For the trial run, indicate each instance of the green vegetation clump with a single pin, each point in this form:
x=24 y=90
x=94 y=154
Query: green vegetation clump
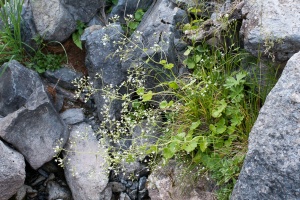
x=12 y=47
x=203 y=116
x=200 y=118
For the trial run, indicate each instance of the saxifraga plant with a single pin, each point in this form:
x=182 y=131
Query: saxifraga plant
x=204 y=117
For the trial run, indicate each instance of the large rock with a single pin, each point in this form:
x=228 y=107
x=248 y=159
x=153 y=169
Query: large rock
x=156 y=33
x=52 y=20
x=55 y=20
x=17 y=83
x=83 y=10
x=272 y=165
x=85 y=166
x=35 y=129
x=165 y=184
x=100 y=48
x=272 y=21
x=12 y=171
x=28 y=28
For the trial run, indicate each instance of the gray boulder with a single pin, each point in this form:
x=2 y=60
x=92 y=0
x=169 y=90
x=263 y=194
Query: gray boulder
x=55 y=20
x=17 y=83
x=12 y=171
x=35 y=129
x=271 y=167
x=271 y=21
x=166 y=183
x=85 y=166
x=100 y=48
x=52 y=20
x=28 y=28
x=56 y=191
x=83 y=10
x=156 y=33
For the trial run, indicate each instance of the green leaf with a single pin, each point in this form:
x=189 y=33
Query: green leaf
x=237 y=119
x=133 y=25
x=191 y=145
x=138 y=15
x=217 y=111
x=232 y=110
x=228 y=143
x=187 y=52
x=162 y=62
x=76 y=40
x=181 y=135
x=197 y=157
x=173 y=85
x=197 y=58
x=152 y=149
x=170 y=103
x=136 y=104
x=168 y=66
x=124 y=97
x=230 y=129
x=203 y=144
x=213 y=128
x=195 y=125
x=236 y=94
x=130 y=158
x=148 y=96
x=190 y=63
x=240 y=76
x=231 y=81
x=168 y=153
x=163 y=104
x=115 y=2
x=140 y=91
x=220 y=126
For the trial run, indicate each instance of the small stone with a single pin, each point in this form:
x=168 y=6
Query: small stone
x=117 y=187
x=106 y=194
x=56 y=191
x=63 y=77
x=142 y=183
x=73 y=116
x=133 y=194
x=134 y=186
x=38 y=180
x=124 y=196
x=142 y=194
x=22 y=192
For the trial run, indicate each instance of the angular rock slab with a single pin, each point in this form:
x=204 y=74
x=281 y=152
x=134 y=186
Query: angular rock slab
x=12 y=171
x=156 y=33
x=85 y=165
x=35 y=129
x=17 y=83
x=272 y=20
x=272 y=165
x=83 y=10
x=63 y=77
x=100 y=59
